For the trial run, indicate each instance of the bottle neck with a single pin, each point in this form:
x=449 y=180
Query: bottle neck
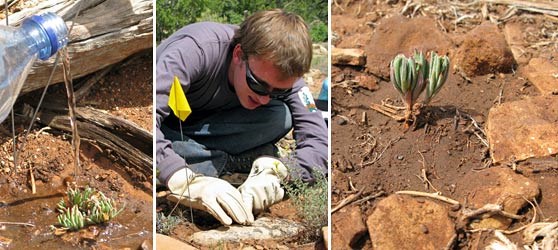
x=37 y=40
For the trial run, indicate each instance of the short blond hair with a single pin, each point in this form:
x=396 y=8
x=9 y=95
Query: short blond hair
x=278 y=36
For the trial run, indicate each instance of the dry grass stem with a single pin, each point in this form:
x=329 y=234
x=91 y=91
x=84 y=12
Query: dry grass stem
x=370 y=197
x=381 y=153
x=487 y=209
x=423 y=175
x=346 y=201
x=429 y=195
x=16 y=223
x=387 y=112
x=449 y=246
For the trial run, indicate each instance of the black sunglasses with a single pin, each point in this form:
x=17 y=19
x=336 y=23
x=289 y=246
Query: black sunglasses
x=262 y=88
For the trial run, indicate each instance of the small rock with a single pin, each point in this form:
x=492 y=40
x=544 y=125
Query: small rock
x=424 y=228
x=262 y=229
x=514 y=33
x=400 y=157
x=348 y=227
x=399 y=222
x=354 y=57
x=455 y=207
x=399 y=34
x=500 y=186
x=367 y=82
x=5 y=242
x=341 y=121
x=89 y=235
x=166 y=242
x=339 y=78
x=523 y=129
x=540 y=72
x=480 y=54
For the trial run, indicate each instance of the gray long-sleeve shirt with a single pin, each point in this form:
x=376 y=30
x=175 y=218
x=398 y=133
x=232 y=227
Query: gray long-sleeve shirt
x=199 y=55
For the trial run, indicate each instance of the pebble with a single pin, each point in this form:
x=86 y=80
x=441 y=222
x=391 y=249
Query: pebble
x=424 y=229
x=341 y=121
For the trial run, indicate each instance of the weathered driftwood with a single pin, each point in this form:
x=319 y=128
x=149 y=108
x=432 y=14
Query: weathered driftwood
x=126 y=142
x=104 y=32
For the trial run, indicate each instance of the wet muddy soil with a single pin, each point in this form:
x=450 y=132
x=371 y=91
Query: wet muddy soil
x=373 y=152
x=126 y=92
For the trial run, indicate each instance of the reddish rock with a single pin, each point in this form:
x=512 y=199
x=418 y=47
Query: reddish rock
x=523 y=129
x=404 y=222
x=398 y=35
x=543 y=74
x=514 y=34
x=367 y=82
x=166 y=242
x=353 y=57
x=500 y=186
x=348 y=228
x=484 y=50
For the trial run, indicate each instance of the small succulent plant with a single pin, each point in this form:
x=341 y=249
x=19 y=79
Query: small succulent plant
x=85 y=207
x=103 y=210
x=412 y=75
x=72 y=219
x=81 y=198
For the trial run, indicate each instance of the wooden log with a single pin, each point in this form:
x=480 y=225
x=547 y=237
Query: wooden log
x=125 y=141
x=104 y=32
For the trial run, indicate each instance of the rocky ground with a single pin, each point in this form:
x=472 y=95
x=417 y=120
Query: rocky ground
x=485 y=150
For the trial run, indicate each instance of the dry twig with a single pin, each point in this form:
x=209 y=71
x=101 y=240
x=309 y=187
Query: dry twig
x=423 y=176
x=487 y=209
x=370 y=197
x=381 y=153
x=16 y=223
x=33 y=186
x=346 y=201
x=429 y=195
x=387 y=112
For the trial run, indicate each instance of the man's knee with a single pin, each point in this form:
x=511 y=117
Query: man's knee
x=278 y=120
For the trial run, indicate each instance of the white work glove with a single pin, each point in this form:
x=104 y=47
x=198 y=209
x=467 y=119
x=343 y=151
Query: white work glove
x=263 y=186
x=213 y=195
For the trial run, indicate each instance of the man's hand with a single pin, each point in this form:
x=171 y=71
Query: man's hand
x=263 y=186
x=213 y=195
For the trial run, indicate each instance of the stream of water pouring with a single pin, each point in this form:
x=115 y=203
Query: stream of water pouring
x=72 y=107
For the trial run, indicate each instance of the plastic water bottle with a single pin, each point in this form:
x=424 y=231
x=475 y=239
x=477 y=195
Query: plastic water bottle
x=39 y=36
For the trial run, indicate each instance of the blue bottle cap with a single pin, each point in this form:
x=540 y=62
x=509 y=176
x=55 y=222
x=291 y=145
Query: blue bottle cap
x=55 y=28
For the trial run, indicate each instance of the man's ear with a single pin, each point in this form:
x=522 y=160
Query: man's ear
x=237 y=54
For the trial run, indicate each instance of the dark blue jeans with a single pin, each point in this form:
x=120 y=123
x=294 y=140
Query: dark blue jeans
x=207 y=143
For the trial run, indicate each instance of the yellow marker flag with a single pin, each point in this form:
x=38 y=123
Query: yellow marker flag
x=178 y=102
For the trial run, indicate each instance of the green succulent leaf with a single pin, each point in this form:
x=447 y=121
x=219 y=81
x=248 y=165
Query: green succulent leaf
x=439 y=67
